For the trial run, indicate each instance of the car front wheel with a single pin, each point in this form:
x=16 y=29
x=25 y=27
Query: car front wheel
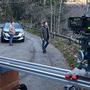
x=2 y=39
x=23 y=39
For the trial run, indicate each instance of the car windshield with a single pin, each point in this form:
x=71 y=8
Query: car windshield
x=16 y=25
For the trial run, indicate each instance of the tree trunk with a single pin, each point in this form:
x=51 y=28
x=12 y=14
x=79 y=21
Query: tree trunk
x=51 y=14
x=59 y=16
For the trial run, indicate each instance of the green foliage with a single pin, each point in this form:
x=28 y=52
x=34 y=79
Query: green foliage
x=17 y=11
x=34 y=31
x=35 y=11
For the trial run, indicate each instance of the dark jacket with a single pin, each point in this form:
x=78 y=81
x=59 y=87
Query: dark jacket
x=44 y=33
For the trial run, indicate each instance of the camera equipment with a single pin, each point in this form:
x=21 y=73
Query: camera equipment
x=79 y=24
x=81 y=27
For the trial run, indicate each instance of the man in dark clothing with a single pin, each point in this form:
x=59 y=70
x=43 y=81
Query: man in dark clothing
x=45 y=36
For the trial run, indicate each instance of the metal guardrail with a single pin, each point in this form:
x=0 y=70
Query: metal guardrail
x=41 y=70
x=66 y=37
x=54 y=34
x=58 y=35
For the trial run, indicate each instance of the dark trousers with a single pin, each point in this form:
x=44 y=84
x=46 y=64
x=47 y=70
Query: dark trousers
x=11 y=39
x=44 y=44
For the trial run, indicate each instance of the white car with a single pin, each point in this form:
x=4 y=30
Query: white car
x=19 y=32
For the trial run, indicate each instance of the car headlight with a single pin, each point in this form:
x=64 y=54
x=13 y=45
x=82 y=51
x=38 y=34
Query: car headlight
x=6 y=34
x=21 y=34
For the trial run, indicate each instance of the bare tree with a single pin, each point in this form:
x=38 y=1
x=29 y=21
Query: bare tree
x=51 y=14
x=59 y=16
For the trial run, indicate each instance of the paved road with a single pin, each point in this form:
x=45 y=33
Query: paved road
x=31 y=51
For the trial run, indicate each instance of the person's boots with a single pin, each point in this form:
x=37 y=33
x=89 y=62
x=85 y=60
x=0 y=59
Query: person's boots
x=44 y=50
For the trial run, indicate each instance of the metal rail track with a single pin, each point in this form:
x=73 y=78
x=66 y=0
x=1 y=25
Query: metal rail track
x=41 y=70
x=34 y=65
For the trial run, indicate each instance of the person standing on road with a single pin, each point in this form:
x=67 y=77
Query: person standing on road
x=11 y=32
x=45 y=36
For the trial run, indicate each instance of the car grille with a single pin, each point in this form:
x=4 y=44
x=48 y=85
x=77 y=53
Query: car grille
x=16 y=33
x=15 y=38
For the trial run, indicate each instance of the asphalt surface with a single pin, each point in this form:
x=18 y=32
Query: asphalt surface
x=31 y=51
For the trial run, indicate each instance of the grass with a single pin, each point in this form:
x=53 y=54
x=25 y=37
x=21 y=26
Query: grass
x=34 y=31
x=68 y=50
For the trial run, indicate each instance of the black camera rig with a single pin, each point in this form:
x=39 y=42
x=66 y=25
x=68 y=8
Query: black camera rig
x=79 y=24
x=81 y=27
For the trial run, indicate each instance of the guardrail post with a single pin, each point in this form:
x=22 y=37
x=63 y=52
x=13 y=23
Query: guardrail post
x=69 y=42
